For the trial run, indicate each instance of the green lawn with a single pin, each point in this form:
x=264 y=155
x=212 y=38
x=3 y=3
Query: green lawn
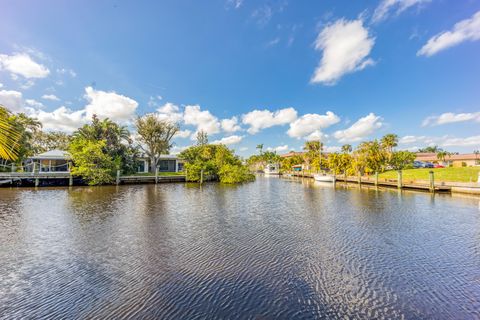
x=463 y=174
x=159 y=174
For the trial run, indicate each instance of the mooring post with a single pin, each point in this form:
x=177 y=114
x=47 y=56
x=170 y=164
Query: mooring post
x=13 y=167
x=359 y=178
x=478 y=179
x=432 y=181
x=37 y=182
x=201 y=176
x=376 y=178
x=118 y=177
x=156 y=174
x=400 y=182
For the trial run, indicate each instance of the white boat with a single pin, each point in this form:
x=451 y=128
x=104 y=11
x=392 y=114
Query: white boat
x=272 y=169
x=324 y=177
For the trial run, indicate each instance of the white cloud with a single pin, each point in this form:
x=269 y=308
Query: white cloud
x=332 y=149
x=461 y=142
x=262 y=119
x=235 y=3
x=345 y=46
x=22 y=64
x=465 y=30
x=386 y=7
x=262 y=15
x=203 y=120
x=230 y=125
x=229 y=140
x=34 y=103
x=183 y=134
x=109 y=105
x=412 y=139
x=450 y=117
x=361 y=129
x=51 y=97
x=311 y=123
x=278 y=149
x=178 y=149
x=12 y=100
x=170 y=112
x=62 y=119
x=1 y=85
x=243 y=148
x=70 y=72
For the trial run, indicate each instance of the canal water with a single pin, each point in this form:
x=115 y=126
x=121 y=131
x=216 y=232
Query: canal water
x=271 y=249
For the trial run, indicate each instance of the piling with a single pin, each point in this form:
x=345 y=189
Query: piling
x=117 y=181
x=432 y=181
x=359 y=178
x=156 y=174
x=70 y=180
x=400 y=182
x=201 y=176
x=376 y=179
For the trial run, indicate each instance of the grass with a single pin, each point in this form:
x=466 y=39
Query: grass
x=462 y=174
x=145 y=174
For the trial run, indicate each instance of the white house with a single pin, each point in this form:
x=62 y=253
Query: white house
x=167 y=163
x=50 y=161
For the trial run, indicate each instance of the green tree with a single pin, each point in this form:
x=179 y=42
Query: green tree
x=313 y=154
x=347 y=148
x=9 y=137
x=442 y=154
x=44 y=141
x=430 y=149
x=202 y=138
x=389 y=141
x=260 y=148
x=373 y=155
x=155 y=137
x=401 y=159
x=91 y=162
x=27 y=127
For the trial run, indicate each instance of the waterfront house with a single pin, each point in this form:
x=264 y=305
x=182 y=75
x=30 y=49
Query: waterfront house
x=167 y=163
x=455 y=160
x=50 y=161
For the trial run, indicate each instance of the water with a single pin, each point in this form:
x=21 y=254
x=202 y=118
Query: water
x=272 y=249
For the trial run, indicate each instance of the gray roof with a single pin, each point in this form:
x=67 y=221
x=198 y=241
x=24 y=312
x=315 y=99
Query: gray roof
x=53 y=155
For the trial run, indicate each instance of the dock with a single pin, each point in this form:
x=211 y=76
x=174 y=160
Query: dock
x=387 y=183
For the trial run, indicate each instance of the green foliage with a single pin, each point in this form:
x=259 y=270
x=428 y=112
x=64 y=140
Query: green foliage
x=373 y=155
x=44 y=141
x=288 y=162
x=217 y=162
x=202 y=138
x=26 y=127
x=155 y=137
x=401 y=159
x=9 y=136
x=430 y=149
x=91 y=162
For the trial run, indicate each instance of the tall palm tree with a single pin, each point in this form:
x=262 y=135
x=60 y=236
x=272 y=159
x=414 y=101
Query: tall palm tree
x=441 y=155
x=9 y=137
x=389 y=141
x=347 y=148
x=260 y=148
x=313 y=150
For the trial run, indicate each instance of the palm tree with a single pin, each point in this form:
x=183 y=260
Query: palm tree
x=313 y=150
x=441 y=155
x=476 y=152
x=260 y=148
x=389 y=141
x=9 y=137
x=347 y=148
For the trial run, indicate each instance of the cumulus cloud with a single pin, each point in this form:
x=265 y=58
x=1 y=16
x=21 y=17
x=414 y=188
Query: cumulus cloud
x=21 y=64
x=278 y=149
x=51 y=97
x=170 y=112
x=183 y=134
x=234 y=139
x=450 y=117
x=443 y=141
x=109 y=105
x=230 y=125
x=387 y=7
x=311 y=124
x=346 y=46
x=203 y=120
x=360 y=130
x=465 y=30
x=462 y=142
x=34 y=103
x=61 y=119
x=262 y=119
x=70 y=72
x=332 y=149
x=12 y=100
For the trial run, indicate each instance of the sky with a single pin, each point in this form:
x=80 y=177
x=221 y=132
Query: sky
x=249 y=72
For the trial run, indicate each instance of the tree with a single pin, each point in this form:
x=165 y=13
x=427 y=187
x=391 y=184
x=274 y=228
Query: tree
x=155 y=137
x=347 y=148
x=430 y=149
x=118 y=144
x=441 y=155
x=476 y=152
x=27 y=127
x=401 y=159
x=313 y=153
x=91 y=162
x=389 y=141
x=216 y=162
x=374 y=155
x=9 y=136
x=260 y=148
x=202 y=138
x=44 y=141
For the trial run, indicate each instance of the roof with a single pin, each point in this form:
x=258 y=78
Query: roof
x=291 y=154
x=162 y=157
x=52 y=155
x=453 y=157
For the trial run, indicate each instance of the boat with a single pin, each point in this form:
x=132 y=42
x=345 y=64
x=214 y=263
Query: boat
x=322 y=177
x=272 y=169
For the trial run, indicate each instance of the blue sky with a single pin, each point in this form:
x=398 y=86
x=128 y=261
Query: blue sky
x=250 y=72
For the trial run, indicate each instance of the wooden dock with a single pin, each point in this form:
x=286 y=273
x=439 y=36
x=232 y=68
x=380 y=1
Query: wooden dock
x=388 y=183
x=151 y=179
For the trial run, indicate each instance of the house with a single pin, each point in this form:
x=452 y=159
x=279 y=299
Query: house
x=167 y=163
x=50 y=161
x=455 y=160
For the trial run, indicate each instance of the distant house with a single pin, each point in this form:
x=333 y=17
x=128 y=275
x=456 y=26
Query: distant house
x=50 y=161
x=456 y=160
x=167 y=163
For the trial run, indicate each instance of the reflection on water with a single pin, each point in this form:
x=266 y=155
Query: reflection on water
x=275 y=248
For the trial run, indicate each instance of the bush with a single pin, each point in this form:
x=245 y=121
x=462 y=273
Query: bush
x=235 y=174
